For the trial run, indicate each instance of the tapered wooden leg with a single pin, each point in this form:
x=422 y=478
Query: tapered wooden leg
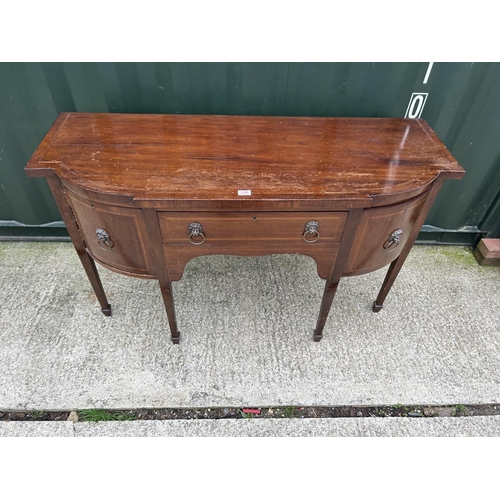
x=156 y=248
x=390 y=277
x=326 y=303
x=86 y=260
x=397 y=264
x=340 y=262
x=168 y=299
x=95 y=281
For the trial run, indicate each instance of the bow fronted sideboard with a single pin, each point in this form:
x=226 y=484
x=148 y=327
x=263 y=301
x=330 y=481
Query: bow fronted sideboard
x=144 y=194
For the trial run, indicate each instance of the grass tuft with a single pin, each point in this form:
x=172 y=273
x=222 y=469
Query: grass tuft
x=99 y=415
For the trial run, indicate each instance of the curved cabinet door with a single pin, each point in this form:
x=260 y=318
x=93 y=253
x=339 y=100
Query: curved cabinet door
x=115 y=236
x=382 y=235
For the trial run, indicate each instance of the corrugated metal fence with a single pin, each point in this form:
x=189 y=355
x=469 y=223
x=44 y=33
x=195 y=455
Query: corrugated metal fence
x=461 y=101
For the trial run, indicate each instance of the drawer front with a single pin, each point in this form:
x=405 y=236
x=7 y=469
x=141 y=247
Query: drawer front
x=251 y=234
x=381 y=235
x=115 y=236
x=221 y=228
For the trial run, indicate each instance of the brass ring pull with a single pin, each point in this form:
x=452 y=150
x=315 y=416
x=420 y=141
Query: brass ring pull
x=393 y=240
x=195 y=233
x=311 y=234
x=104 y=239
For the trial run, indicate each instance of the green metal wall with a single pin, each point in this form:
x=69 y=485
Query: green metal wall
x=463 y=106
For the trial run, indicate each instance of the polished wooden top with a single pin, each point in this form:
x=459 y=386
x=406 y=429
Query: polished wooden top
x=207 y=157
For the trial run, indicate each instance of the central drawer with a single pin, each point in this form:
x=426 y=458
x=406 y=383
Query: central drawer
x=308 y=228
x=316 y=234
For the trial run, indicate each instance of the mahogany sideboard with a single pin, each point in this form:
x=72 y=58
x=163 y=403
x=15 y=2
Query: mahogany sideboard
x=143 y=194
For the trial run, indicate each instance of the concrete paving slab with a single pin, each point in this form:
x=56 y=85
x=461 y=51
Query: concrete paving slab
x=246 y=326
x=320 y=427
x=317 y=427
x=36 y=429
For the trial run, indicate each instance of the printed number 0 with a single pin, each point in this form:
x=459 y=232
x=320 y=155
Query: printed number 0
x=417 y=102
x=416 y=105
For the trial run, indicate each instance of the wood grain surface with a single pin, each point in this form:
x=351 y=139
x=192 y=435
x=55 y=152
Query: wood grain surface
x=203 y=157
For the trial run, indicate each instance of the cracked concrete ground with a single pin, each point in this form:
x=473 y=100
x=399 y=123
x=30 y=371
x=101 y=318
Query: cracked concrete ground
x=246 y=326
